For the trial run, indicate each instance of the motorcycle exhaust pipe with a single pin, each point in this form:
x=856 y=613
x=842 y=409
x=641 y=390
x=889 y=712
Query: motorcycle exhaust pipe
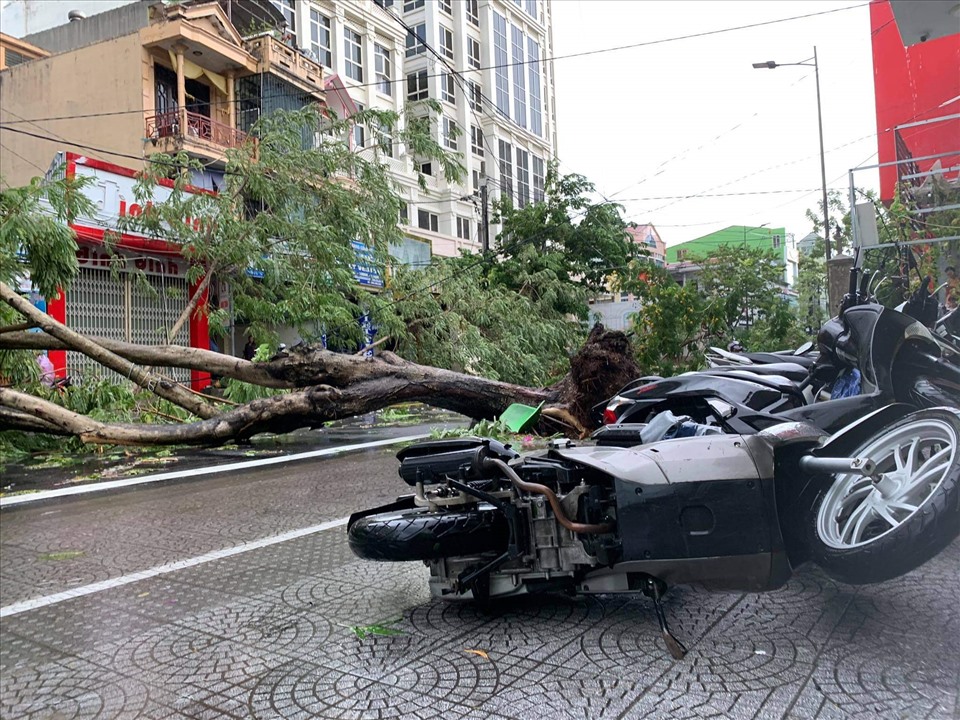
x=849 y=466
x=571 y=525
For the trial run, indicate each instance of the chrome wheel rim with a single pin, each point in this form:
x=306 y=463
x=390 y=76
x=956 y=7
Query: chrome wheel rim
x=912 y=462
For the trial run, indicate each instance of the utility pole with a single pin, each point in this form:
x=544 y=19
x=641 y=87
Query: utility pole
x=484 y=218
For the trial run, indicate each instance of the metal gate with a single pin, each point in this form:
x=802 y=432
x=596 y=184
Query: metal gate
x=130 y=307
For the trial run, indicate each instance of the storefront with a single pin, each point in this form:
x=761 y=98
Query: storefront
x=136 y=292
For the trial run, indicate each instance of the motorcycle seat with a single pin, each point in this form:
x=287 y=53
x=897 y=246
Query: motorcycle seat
x=775 y=381
x=790 y=370
x=777 y=359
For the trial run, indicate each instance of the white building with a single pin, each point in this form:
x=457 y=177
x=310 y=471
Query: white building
x=481 y=60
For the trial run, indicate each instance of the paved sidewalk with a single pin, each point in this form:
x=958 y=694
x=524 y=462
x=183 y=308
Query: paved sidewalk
x=265 y=633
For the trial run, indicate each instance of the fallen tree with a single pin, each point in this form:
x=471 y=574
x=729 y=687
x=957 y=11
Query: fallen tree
x=324 y=386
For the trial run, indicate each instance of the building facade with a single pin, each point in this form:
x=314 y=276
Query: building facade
x=777 y=240
x=481 y=60
x=648 y=237
x=108 y=91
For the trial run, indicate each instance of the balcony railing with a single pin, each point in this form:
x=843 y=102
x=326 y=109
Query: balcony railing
x=201 y=127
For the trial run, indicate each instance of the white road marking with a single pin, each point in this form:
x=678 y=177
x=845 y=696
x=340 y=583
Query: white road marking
x=35 y=603
x=129 y=482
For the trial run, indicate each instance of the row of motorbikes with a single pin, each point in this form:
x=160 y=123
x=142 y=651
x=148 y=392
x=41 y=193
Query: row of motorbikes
x=844 y=454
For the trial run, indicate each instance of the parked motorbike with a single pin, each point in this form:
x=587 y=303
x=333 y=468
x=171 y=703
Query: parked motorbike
x=867 y=487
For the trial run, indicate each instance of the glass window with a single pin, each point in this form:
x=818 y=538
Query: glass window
x=446 y=42
x=473 y=12
x=446 y=6
x=384 y=139
x=427 y=220
x=463 y=228
x=449 y=133
x=476 y=140
x=506 y=170
x=416 y=40
x=519 y=79
x=447 y=93
x=473 y=53
x=412 y=5
x=417 y=85
x=286 y=8
x=475 y=96
x=539 y=179
x=536 y=100
x=384 y=69
x=353 y=52
x=359 y=132
x=500 y=61
x=320 y=38
x=531 y=7
x=523 y=178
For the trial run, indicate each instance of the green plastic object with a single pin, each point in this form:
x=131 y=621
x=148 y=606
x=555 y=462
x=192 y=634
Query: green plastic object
x=519 y=417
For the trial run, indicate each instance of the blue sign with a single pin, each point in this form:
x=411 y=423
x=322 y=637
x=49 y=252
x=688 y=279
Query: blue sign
x=365 y=271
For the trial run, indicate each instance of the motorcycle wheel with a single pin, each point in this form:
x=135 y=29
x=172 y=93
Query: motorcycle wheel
x=422 y=535
x=866 y=532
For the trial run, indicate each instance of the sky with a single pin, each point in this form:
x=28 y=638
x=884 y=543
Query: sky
x=693 y=117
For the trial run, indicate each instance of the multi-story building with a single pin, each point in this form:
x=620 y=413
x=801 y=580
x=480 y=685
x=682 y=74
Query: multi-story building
x=96 y=96
x=481 y=60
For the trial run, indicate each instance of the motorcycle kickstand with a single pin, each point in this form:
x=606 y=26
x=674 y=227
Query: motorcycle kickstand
x=654 y=589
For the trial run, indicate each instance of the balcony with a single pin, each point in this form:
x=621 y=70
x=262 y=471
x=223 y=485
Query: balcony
x=274 y=56
x=203 y=136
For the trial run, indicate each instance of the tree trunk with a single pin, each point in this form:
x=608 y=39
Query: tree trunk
x=331 y=386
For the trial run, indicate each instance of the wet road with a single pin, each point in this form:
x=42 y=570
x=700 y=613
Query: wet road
x=245 y=617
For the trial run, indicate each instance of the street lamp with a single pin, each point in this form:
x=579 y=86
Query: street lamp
x=770 y=65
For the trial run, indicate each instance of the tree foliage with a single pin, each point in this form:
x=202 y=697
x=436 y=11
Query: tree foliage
x=563 y=250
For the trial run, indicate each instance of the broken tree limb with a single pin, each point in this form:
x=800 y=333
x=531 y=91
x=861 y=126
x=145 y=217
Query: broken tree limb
x=160 y=386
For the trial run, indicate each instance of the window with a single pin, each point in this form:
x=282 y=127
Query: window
x=384 y=139
x=320 y=38
x=463 y=228
x=404 y=214
x=500 y=64
x=476 y=140
x=383 y=69
x=473 y=53
x=425 y=168
x=531 y=7
x=479 y=176
x=352 y=48
x=536 y=101
x=428 y=221
x=384 y=3
x=447 y=88
x=776 y=242
x=539 y=179
x=446 y=6
x=446 y=42
x=416 y=40
x=473 y=12
x=450 y=133
x=286 y=8
x=412 y=5
x=475 y=96
x=506 y=170
x=359 y=132
x=519 y=79
x=417 y=85
x=523 y=178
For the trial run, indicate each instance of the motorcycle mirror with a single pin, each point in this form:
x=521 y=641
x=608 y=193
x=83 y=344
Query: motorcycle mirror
x=804 y=349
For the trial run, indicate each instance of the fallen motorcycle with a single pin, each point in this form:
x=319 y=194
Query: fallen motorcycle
x=867 y=487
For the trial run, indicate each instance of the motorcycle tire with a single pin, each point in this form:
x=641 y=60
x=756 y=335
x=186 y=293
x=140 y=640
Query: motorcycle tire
x=862 y=532
x=421 y=535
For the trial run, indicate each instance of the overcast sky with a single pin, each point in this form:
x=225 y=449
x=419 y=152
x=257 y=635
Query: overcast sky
x=658 y=121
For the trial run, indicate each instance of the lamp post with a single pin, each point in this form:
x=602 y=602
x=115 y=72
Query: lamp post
x=770 y=65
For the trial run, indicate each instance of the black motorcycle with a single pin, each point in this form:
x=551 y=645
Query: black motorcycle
x=867 y=487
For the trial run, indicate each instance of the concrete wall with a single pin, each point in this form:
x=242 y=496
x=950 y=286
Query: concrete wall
x=21 y=18
x=74 y=84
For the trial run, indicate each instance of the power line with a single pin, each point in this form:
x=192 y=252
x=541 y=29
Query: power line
x=495 y=66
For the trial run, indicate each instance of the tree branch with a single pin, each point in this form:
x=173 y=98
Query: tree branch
x=160 y=386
